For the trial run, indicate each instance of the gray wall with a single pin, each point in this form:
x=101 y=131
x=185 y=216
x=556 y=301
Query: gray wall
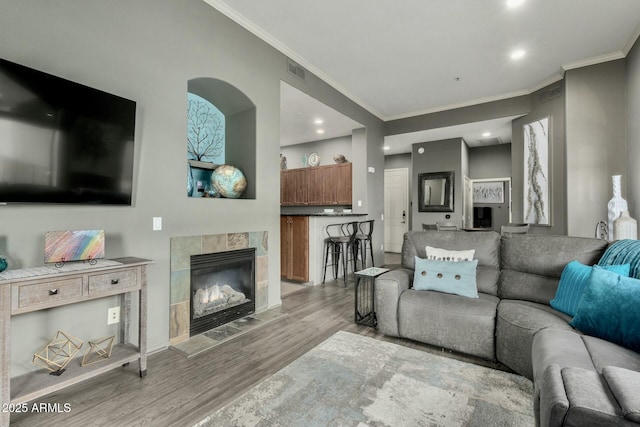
x=493 y=161
x=397 y=161
x=633 y=130
x=326 y=149
x=474 y=113
x=542 y=106
x=596 y=142
x=147 y=50
x=439 y=156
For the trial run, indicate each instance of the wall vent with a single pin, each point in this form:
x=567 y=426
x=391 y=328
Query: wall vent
x=295 y=69
x=551 y=93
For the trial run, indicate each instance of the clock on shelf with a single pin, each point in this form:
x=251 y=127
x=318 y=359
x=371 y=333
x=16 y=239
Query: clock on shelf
x=313 y=159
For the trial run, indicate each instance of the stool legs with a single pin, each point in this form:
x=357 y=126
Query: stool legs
x=364 y=245
x=339 y=255
x=334 y=250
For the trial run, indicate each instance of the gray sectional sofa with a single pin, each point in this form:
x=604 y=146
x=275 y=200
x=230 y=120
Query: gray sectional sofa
x=578 y=379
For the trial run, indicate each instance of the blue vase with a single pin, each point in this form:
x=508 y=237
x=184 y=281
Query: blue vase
x=3 y=264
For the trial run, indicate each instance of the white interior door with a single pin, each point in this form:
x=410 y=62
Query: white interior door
x=396 y=208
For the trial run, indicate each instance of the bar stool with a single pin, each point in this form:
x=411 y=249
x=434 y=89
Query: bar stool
x=339 y=243
x=364 y=241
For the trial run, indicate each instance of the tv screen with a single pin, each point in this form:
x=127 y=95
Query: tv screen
x=482 y=217
x=63 y=142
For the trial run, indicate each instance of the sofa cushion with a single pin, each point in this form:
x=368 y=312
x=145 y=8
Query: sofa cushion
x=604 y=353
x=516 y=324
x=608 y=308
x=570 y=348
x=452 y=277
x=462 y=324
x=533 y=263
x=573 y=281
x=559 y=347
x=515 y=285
x=486 y=245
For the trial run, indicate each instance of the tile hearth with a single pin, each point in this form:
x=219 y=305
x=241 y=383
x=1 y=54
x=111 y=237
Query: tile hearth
x=203 y=342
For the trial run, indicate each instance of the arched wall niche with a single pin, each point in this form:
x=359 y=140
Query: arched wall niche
x=240 y=125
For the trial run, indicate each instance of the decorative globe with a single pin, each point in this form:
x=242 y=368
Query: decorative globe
x=228 y=181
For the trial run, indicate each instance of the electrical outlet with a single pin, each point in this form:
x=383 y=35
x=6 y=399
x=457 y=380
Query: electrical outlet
x=113 y=315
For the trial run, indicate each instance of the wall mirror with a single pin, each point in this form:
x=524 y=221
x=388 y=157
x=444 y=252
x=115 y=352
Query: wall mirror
x=435 y=192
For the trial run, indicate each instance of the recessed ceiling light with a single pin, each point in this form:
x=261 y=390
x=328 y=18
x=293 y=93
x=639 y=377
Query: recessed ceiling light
x=318 y=121
x=486 y=134
x=517 y=54
x=514 y=3
x=386 y=147
x=321 y=131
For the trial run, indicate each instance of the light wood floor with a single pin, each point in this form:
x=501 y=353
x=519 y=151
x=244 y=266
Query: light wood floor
x=180 y=392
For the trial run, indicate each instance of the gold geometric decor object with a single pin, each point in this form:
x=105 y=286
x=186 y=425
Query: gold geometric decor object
x=98 y=350
x=57 y=353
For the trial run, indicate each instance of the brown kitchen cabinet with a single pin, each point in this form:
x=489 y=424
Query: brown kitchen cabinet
x=294 y=247
x=317 y=186
x=338 y=189
x=294 y=187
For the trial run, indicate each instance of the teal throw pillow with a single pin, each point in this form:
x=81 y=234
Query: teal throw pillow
x=446 y=276
x=573 y=280
x=609 y=308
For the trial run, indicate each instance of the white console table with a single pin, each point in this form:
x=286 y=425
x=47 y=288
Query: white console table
x=28 y=290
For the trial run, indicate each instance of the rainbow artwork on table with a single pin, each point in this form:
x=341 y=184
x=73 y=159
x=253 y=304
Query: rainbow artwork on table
x=64 y=246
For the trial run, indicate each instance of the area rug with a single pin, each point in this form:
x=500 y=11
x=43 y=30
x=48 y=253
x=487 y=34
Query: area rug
x=352 y=380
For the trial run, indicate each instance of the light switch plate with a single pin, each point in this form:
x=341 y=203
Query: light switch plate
x=157 y=223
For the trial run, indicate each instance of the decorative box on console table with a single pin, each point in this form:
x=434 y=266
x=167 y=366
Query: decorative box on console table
x=33 y=289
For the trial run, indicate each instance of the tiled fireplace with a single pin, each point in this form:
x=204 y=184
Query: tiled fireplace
x=182 y=249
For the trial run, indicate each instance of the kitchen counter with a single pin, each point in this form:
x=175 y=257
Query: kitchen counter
x=325 y=214
x=317 y=224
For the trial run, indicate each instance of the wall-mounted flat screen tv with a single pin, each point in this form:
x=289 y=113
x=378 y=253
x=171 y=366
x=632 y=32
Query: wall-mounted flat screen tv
x=63 y=142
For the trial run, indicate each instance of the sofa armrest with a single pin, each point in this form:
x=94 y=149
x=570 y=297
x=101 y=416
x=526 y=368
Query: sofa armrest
x=575 y=397
x=625 y=387
x=388 y=288
x=553 y=398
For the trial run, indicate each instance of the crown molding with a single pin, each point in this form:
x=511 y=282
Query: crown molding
x=632 y=40
x=594 y=60
x=256 y=30
x=253 y=28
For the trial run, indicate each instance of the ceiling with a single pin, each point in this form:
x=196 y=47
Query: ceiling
x=402 y=58
x=299 y=113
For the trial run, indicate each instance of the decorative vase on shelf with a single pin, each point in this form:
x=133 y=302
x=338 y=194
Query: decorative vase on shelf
x=3 y=263
x=616 y=205
x=625 y=227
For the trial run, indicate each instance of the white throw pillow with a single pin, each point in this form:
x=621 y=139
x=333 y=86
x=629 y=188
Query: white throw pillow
x=449 y=255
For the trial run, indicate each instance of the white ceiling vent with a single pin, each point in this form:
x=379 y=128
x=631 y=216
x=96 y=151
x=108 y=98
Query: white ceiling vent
x=295 y=69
